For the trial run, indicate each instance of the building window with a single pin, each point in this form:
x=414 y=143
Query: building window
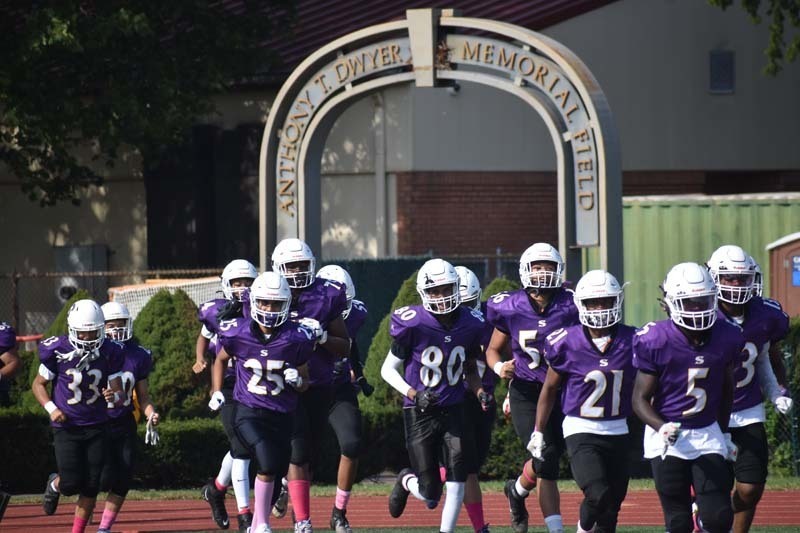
x=721 y=72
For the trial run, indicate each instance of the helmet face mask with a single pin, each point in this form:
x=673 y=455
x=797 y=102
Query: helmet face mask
x=437 y=286
x=541 y=267
x=734 y=272
x=341 y=276
x=118 y=321
x=270 y=299
x=469 y=288
x=236 y=277
x=691 y=296
x=598 y=297
x=294 y=260
x=86 y=325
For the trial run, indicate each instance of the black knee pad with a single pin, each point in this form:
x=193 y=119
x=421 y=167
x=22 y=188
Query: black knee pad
x=430 y=486
x=718 y=519
x=598 y=496
x=68 y=488
x=350 y=448
x=680 y=523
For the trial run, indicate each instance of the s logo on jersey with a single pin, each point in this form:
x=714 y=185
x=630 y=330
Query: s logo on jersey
x=542 y=323
x=603 y=362
x=699 y=360
x=448 y=338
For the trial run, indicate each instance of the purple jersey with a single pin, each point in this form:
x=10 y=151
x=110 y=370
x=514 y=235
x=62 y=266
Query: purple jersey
x=436 y=354
x=207 y=315
x=79 y=394
x=353 y=323
x=8 y=337
x=259 y=365
x=690 y=378
x=514 y=314
x=137 y=366
x=488 y=377
x=595 y=385
x=325 y=301
x=765 y=322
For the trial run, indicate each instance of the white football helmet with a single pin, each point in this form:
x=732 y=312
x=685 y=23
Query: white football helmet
x=118 y=311
x=270 y=287
x=294 y=251
x=691 y=296
x=758 y=280
x=732 y=262
x=237 y=269
x=469 y=287
x=598 y=284
x=340 y=275
x=540 y=279
x=438 y=273
x=86 y=316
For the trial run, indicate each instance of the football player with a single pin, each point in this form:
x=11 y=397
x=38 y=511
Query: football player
x=9 y=366
x=478 y=422
x=215 y=315
x=592 y=365
x=434 y=346
x=270 y=358
x=683 y=393
x=118 y=470
x=81 y=367
x=317 y=303
x=345 y=415
x=764 y=324
x=525 y=318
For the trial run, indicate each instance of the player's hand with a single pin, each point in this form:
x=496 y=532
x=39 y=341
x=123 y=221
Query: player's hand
x=339 y=366
x=58 y=416
x=217 y=401
x=292 y=377
x=505 y=369
x=486 y=400
x=151 y=433
x=199 y=366
x=507 y=406
x=536 y=444
x=425 y=399
x=670 y=432
x=315 y=327
x=366 y=388
x=783 y=404
x=732 y=451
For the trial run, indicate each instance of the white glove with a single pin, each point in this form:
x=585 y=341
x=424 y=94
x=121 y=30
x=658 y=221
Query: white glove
x=313 y=324
x=151 y=433
x=507 y=407
x=293 y=377
x=732 y=451
x=536 y=444
x=670 y=432
x=783 y=404
x=217 y=401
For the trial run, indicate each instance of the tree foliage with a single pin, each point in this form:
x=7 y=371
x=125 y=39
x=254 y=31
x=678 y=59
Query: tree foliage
x=779 y=12
x=108 y=77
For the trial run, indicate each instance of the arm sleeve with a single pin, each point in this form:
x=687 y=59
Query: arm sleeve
x=390 y=372
x=766 y=377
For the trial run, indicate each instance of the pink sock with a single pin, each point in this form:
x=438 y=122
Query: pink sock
x=109 y=517
x=79 y=525
x=300 y=494
x=220 y=487
x=443 y=473
x=257 y=519
x=342 y=498
x=475 y=513
x=263 y=500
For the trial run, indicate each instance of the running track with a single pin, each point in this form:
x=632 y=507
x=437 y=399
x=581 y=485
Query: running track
x=777 y=508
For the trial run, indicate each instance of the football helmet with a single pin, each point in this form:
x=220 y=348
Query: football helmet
x=438 y=273
x=294 y=251
x=469 y=288
x=270 y=287
x=597 y=284
x=540 y=279
x=732 y=262
x=237 y=269
x=340 y=275
x=86 y=316
x=118 y=311
x=758 y=280
x=690 y=295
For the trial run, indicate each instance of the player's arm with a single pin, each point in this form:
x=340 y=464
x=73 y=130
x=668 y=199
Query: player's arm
x=218 y=370
x=494 y=357
x=143 y=393
x=200 y=348
x=644 y=387
x=778 y=367
x=39 y=390
x=9 y=363
x=726 y=405
x=337 y=340
x=471 y=372
x=302 y=370
x=547 y=398
x=391 y=370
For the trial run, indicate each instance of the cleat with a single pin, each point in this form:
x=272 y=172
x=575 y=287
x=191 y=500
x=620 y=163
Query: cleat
x=516 y=505
x=216 y=499
x=103 y=531
x=485 y=529
x=51 y=496
x=339 y=521
x=245 y=521
x=263 y=528
x=303 y=526
x=399 y=496
x=279 y=509
x=696 y=528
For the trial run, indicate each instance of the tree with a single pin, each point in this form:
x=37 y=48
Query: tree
x=778 y=11
x=114 y=76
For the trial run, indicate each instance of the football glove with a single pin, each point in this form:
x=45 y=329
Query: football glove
x=316 y=328
x=670 y=432
x=425 y=399
x=507 y=406
x=217 y=401
x=536 y=444
x=732 y=451
x=292 y=377
x=783 y=404
x=339 y=366
x=366 y=388
x=486 y=400
x=151 y=433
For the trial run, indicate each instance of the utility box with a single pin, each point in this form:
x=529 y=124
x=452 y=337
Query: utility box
x=784 y=269
x=81 y=258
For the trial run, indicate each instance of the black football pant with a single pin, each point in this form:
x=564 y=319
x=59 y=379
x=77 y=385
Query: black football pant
x=118 y=470
x=80 y=455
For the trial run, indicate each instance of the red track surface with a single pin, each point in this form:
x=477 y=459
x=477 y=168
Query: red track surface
x=778 y=508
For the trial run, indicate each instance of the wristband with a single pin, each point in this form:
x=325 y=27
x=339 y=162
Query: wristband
x=50 y=407
x=498 y=368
